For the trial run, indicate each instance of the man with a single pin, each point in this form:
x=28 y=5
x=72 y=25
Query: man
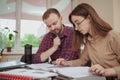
x=58 y=42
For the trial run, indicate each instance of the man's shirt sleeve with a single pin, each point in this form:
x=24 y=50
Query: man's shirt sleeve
x=43 y=47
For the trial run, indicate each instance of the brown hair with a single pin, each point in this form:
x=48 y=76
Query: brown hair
x=100 y=26
x=49 y=11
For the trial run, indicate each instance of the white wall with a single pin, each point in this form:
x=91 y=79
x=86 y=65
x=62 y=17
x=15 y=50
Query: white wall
x=108 y=10
x=116 y=7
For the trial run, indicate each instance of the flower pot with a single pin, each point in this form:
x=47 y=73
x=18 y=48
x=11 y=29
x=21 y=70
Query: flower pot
x=8 y=49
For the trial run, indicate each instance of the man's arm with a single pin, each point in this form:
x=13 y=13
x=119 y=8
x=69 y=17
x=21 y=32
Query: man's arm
x=45 y=49
x=45 y=55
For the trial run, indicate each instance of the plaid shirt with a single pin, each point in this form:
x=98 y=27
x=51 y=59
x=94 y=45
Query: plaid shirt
x=64 y=50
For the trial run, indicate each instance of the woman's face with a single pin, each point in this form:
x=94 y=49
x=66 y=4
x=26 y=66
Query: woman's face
x=81 y=24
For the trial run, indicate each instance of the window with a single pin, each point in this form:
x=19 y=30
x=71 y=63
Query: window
x=32 y=28
x=26 y=17
x=7 y=18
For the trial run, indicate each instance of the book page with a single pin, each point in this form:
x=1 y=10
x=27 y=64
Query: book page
x=74 y=72
x=70 y=72
x=40 y=66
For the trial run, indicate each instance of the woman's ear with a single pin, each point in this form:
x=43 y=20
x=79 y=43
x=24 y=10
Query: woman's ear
x=61 y=18
x=88 y=17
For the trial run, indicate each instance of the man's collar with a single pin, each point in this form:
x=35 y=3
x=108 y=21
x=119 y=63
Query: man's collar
x=64 y=33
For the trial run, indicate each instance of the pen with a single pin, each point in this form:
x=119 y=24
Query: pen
x=55 y=33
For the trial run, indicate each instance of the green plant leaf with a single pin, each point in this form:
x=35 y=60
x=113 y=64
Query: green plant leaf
x=15 y=31
x=10 y=36
x=6 y=28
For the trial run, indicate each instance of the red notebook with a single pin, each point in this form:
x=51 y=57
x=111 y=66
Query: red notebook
x=25 y=74
x=14 y=77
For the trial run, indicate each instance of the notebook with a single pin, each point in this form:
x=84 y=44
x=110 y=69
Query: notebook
x=26 y=74
x=11 y=64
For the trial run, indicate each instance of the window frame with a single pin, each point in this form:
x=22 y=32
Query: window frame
x=17 y=48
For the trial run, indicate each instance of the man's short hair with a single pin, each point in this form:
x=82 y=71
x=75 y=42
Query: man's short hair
x=49 y=11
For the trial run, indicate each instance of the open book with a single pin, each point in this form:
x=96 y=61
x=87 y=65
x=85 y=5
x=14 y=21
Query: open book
x=77 y=73
x=70 y=72
x=73 y=72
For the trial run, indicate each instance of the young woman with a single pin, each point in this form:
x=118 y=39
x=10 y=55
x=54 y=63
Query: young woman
x=102 y=45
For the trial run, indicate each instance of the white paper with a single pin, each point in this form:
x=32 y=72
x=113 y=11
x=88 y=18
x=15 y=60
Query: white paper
x=71 y=72
x=74 y=72
x=79 y=73
x=40 y=66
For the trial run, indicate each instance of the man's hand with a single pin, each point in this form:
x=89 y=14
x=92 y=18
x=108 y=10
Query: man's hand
x=56 y=42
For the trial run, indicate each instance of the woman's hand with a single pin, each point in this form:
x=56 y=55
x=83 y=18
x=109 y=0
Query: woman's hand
x=98 y=69
x=61 y=62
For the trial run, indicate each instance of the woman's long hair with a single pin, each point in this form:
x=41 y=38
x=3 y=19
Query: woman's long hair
x=100 y=26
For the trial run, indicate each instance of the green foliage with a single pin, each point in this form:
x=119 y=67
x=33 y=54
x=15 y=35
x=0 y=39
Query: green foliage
x=2 y=42
x=10 y=34
x=3 y=39
x=31 y=39
x=7 y=37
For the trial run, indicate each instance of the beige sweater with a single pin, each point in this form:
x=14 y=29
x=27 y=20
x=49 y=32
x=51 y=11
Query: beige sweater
x=104 y=51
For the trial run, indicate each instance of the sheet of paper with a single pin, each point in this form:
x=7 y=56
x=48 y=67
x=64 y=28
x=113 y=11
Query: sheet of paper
x=40 y=66
x=74 y=72
x=71 y=72
x=80 y=73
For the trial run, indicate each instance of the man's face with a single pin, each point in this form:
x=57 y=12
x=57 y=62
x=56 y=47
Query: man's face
x=54 y=23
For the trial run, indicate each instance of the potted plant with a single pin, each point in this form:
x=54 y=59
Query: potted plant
x=2 y=40
x=10 y=38
x=2 y=43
